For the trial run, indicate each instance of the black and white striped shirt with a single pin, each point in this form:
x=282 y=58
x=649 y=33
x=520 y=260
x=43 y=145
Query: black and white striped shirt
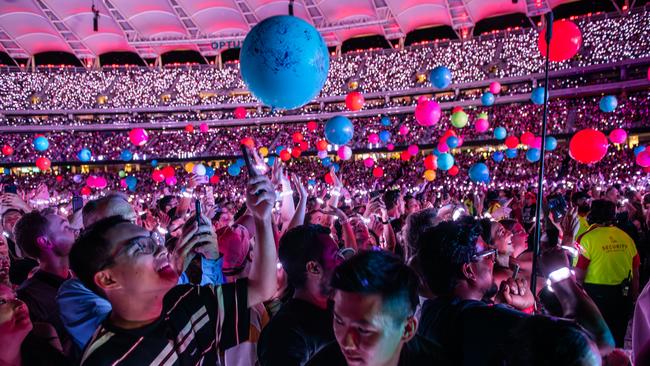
x=198 y=324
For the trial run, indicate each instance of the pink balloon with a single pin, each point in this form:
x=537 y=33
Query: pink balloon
x=481 y=125
x=443 y=147
x=495 y=87
x=171 y=181
x=91 y=181
x=643 y=159
x=537 y=143
x=427 y=112
x=460 y=141
x=373 y=138
x=123 y=183
x=345 y=152
x=403 y=130
x=101 y=182
x=204 y=128
x=369 y=162
x=618 y=136
x=413 y=149
x=138 y=136
x=390 y=147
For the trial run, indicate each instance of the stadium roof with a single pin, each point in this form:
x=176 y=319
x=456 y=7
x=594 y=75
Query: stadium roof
x=153 y=27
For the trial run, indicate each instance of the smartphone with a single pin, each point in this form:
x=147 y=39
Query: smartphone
x=11 y=188
x=197 y=209
x=252 y=172
x=515 y=272
x=558 y=206
x=77 y=203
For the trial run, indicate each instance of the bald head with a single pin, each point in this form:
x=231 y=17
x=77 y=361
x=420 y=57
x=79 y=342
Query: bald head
x=114 y=204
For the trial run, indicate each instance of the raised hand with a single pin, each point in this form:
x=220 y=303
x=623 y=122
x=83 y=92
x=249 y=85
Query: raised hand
x=260 y=197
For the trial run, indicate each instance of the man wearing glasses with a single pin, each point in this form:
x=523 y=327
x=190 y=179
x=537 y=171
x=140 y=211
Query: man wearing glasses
x=153 y=321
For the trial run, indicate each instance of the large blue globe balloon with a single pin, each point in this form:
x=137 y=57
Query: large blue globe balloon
x=479 y=173
x=84 y=155
x=284 y=62
x=608 y=103
x=339 y=130
x=533 y=155
x=445 y=161
x=41 y=143
x=440 y=77
x=551 y=143
x=537 y=96
x=487 y=99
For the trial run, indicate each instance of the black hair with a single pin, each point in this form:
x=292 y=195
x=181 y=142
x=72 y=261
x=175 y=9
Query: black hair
x=486 y=230
x=299 y=246
x=444 y=249
x=378 y=272
x=92 y=250
x=603 y=212
x=390 y=199
x=164 y=201
x=27 y=230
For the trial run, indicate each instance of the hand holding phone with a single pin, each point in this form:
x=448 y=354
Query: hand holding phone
x=252 y=172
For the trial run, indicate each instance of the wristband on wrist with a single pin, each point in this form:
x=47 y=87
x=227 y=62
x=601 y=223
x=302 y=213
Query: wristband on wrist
x=557 y=276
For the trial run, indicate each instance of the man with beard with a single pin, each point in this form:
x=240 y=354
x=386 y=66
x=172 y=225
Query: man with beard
x=304 y=323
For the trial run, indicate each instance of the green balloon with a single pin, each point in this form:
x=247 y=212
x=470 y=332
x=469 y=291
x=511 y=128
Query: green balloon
x=459 y=119
x=122 y=174
x=483 y=115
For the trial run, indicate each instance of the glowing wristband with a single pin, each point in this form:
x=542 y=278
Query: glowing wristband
x=162 y=230
x=559 y=275
x=335 y=192
x=186 y=194
x=286 y=193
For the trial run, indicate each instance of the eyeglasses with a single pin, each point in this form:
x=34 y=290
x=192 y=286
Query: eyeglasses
x=144 y=245
x=484 y=254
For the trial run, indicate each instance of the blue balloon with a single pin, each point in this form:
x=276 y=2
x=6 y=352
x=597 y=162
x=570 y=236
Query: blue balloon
x=326 y=162
x=436 y=152
x=638 y=149
x=84 y=155
x=487 y=99
x=533 y=155
x=608 y=103
x=445 y=161
x=209 y=171
x=452 y=141
x=284 y=61
x=511 y=153
x=385 y=121
x=336 y=167
x=41 y=143
x=339 y=130
x=270 y=160
x=131 y=182
x=311 y=182
x=479 y=173
x=537 y=96
x=6 y=171
x=154 y=163
x=440 y=77
x=126 y=155
x=500 y=133
x=240 y=162
x=234 y=170
x=497 y=156
x=384 y=136
x=551 y=143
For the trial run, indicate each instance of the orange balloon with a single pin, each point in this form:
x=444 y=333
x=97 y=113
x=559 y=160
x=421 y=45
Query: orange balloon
x=354 y=101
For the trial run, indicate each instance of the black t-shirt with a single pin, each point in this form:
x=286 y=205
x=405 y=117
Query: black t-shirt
x=197 y=324
x=417 y=352
x=298 y=331
x=471 y=332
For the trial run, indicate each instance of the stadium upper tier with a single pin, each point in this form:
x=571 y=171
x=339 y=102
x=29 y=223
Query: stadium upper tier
x=607 y=39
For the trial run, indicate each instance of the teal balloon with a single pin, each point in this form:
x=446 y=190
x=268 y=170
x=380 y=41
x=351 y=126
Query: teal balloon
x=551 y=143
x=497 y=156
x=537 y=96
x=339 y=130
x=479 y=173
x=445 y=161
x=154 y=163
x=209 y=171
x=511 y=153
x=385 y=121
x=533 y=155
x=234 y=170
x=284 y=61
x=384 y=136
x=84 y=155
x=487 y=99
x=608 y=103
x=311 y=182
x=126 y=155
x=638 y=149
x=41 y=143
x=440 y=77
x=452 y=141
x=270 y=160
x=500 y=133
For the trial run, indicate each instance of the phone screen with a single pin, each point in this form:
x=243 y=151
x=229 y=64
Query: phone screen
x=247 y=159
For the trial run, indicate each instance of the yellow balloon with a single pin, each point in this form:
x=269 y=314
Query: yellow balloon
x=189 y=167
x=264 y=151
x=429 y=175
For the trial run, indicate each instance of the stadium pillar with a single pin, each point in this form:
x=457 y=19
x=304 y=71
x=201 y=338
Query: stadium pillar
x=338 y=50
x=401 y=43
x=219 y=61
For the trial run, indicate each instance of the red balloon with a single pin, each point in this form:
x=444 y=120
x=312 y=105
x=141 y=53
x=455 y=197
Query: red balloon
x=247 y=141
x=285 y=155
x=189 y=128
x=59 y=179
x=296 y=152
x=312 y=126
x=321 y=145
x=512 y=142
x=354 y=101
x=240 y=112
x=565 y=43
x=431 y=162
x=157 y=175
x=168 y=171
x=378 y=172
x=527 y=138
x=303 y=145
x=85 y=191
x=453 y=171
x=7 y=150
x=457 y=109
x=328 y=178
x=588 y=146
x=43 y=163
x=214 y=179
x=297 y=137
x=405 y=155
